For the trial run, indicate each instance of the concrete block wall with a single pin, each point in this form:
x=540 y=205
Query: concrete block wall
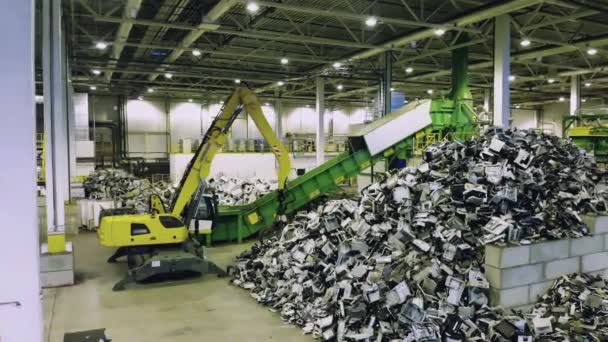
x=519 y=274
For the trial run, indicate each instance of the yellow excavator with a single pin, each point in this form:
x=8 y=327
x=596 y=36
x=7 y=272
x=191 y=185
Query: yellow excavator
x=164 y=243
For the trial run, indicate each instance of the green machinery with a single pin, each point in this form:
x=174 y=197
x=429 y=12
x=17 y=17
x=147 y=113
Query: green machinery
x=399 y=134
x=589 y=131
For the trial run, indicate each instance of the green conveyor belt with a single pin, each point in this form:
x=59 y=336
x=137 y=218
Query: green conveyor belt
x=239 y=222
x=450 y=117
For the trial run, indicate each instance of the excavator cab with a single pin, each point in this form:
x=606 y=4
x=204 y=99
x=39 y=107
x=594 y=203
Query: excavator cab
x=201 y=211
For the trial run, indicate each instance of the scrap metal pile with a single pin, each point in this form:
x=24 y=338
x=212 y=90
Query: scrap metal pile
x=237 y=191
x=405 y=261
x=125 y=189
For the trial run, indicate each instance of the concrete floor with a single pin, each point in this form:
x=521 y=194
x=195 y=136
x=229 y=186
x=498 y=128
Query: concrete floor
x=201 y=309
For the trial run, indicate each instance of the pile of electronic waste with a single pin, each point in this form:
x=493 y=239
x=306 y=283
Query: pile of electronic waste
x=240 y=191
x=125 y=190
x=405 y=261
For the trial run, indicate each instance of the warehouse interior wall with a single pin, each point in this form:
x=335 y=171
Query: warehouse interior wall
x=156 y=127
x=553 y=113
x=147 y=133
x=524 y=118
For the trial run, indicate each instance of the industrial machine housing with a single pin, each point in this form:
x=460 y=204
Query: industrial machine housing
x=158 y=244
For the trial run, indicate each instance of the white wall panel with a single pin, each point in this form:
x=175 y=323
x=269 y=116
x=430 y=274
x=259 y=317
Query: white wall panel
x=147 y=128
x=103 y=108
x=146 y=116
x=185 y=121
x=523 y=118
x=554 y=113
x=191 y=120
x=269 y=114
x=81 y=116
x=243 y=165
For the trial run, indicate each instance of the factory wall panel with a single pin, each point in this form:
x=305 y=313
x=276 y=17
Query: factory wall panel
x=185 y=121
x=270 y=116
x=259 y=165
x=303 y=120
x=524 y=118
x=147 y=128
x=156 y=127
x=555 y=112
x=103 y=108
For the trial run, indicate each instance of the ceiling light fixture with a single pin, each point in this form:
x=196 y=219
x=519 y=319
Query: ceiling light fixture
x=371 y=21
x=512 y=78
x=392 y=89
x=266 y=104
x=409 y=70
x=280 y=83
x=337 y=65
x=562 y=99
x=439 y=32
x=525 y=42
x=587 y=84
x=583 y=100
x=190 y=100
x=168 y=75
x=196 y=52
x=93 y=87
x=429 y=91
x=237 y=81
x=252 y=7
x=96 y=72
x=517 y=106
x=150 y=90
x=101 y=45
x=339 y=87
x=284 y=60
x=551 y=80
x=591 y=51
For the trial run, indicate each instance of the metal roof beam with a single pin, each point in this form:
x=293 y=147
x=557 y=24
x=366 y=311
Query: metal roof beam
x=483 y=13
x=352 y=16
x=522 y=56
x=130 y=12
x=214 y=14
x=196 y=31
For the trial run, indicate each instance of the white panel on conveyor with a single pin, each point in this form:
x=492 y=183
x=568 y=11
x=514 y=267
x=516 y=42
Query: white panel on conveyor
x=398 y=125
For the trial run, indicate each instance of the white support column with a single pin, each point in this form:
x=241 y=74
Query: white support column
x=55 y=124
x=486 y=100
x=320 y=142
x=575 y=94
x=20 y=303
x=502 y=70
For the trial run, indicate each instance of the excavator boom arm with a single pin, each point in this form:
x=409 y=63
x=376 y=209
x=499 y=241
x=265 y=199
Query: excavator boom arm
x=214 y=139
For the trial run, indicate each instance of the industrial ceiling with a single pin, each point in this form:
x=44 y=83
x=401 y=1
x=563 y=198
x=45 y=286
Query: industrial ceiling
x=200 y=48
